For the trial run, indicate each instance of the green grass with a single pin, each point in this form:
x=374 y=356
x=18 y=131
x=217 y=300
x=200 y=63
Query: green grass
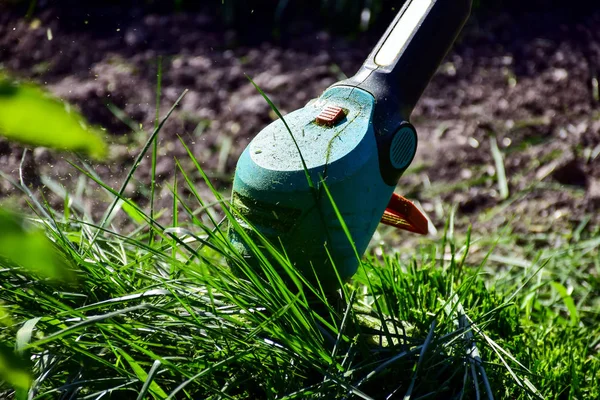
x=169 y=309
x=172 y=319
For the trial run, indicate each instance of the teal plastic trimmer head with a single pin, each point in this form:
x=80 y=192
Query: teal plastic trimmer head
x=356 y=140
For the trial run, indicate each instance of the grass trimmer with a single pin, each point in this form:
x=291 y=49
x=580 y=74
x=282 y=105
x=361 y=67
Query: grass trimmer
x=328 y=171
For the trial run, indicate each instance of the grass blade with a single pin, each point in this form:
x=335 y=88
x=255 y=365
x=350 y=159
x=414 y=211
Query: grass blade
x=155 y=142
x=143 y=376
x=500 y=171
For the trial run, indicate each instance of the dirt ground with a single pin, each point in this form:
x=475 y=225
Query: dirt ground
x=528 y=82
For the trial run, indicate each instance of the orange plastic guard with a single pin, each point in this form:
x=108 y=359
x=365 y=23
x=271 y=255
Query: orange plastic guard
x=402 y=213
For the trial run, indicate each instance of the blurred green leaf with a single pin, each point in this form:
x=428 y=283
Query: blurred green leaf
x=568 y=300
x=31 y=116
x=5 y=319
x=30 y=248
x=14 y=369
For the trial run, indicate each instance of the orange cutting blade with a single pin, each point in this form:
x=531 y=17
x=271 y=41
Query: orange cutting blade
x=403 y=214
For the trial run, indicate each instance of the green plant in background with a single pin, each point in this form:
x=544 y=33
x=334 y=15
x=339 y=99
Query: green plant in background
x=31 y=116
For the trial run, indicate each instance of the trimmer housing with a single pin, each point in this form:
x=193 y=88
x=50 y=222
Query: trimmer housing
x=355 y=139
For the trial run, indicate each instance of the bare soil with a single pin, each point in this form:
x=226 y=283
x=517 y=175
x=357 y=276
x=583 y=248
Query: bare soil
x=528 y=81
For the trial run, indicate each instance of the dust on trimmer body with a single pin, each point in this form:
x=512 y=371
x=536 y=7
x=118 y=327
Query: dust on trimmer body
x=356 y=140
